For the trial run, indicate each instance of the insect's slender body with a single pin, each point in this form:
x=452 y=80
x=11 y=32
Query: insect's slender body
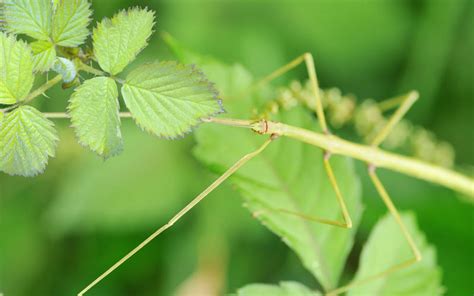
x=330 y=144
x=376 y=156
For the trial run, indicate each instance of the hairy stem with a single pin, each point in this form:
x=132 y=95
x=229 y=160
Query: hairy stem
x=40 y=90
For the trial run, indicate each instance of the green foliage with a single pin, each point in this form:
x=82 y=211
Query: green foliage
x=16 y=64
x=117 y=41
x=284 y=289
x=168 y=99
x=52 y=23
x=30 y=17
x=44 y=55
x=140 y=204
x=289 y=175
x=94 y=110
x=27 y=139
x=70 y=21
x=62 y=23
x=387 y=247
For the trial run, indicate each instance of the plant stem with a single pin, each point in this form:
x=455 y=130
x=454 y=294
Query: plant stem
x=64 y=115
x=40 y=90
x=89 y=69
x=230 y=122
x=97 y=72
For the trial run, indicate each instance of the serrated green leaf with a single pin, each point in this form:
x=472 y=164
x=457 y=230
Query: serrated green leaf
x=284 y=289
x=30 y=17
x=16 y=74
x=27 y=140
x=387 y=247
x=44 y=55
x=117 y=41
x=288 y=175
x=94 y=110
x=70 y=21
x=168 y=99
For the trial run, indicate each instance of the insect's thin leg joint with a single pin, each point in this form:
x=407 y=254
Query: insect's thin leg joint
x=340 y=199
x=313 y=78
x=409 y=239
x=236 y=166
x=308 y=59
x=347 y=221
x=327 y=155
x=393 y=210
x=406 y=102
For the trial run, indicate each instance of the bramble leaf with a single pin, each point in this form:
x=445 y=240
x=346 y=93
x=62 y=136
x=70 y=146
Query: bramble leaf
x=44 y=55
x=167 y=99
x=16 y=69
x=387 y=247
x=27 y=139
x=94 y=110
x=284 y=289
x=288 y=175
x=117 y=41
x=70 y=21
x=30 y=17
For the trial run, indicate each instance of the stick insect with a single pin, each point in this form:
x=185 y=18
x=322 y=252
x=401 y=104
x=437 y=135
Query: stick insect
x=371 y=154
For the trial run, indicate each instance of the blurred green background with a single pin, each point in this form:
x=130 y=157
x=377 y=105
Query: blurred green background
x=62 y=229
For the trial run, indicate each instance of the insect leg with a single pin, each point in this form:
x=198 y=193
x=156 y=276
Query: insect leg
x=405 y=103
x=181 y=213
x=347 y=221
x=307 y=58
x=406 y=234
